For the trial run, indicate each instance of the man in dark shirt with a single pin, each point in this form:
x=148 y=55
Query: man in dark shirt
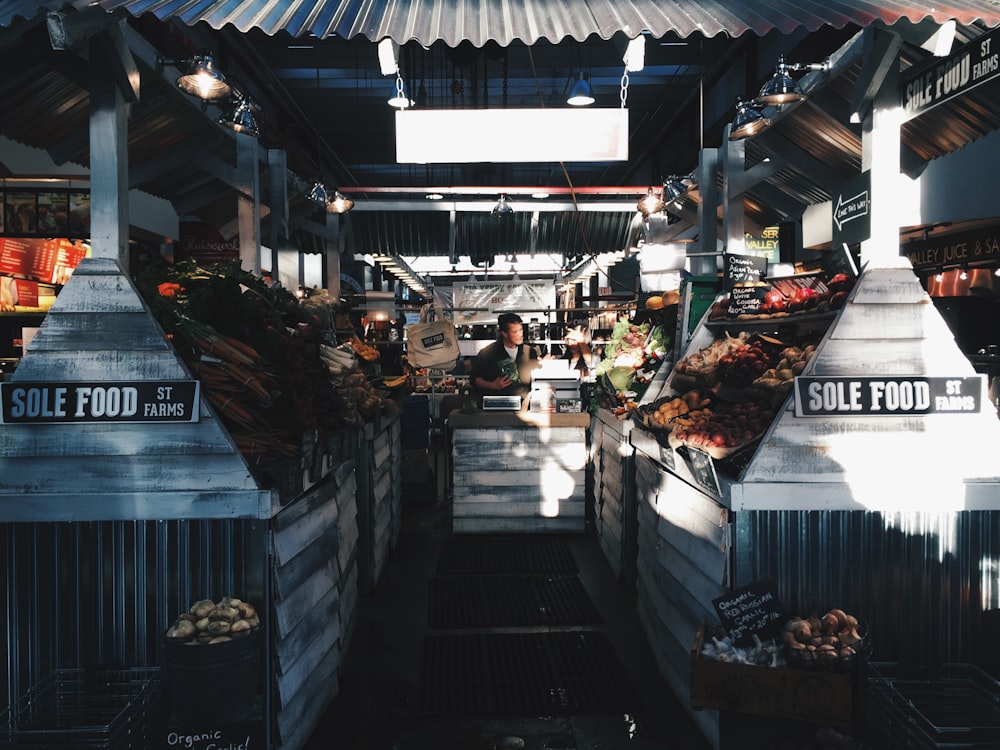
x=504 y=367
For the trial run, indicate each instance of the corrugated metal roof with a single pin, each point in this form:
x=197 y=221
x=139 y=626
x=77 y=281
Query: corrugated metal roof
x=504 y=21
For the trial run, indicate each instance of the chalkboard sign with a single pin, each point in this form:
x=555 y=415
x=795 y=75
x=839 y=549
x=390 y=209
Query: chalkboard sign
x=751 y=610
x=745 y=300
x=703 y=469
x=239 y=735
x=742 y=269
x=667 y=457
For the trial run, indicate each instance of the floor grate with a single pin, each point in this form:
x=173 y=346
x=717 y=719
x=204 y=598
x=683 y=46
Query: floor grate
x=472 y=555
x=523 y=674
x=509 y=601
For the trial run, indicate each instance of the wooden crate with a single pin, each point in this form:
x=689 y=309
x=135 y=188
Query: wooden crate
x=798 y=694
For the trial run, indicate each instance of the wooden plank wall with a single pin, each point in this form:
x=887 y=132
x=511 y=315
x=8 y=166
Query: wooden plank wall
x=614 y=506
x=315 y=597
x=382 y=493
x=682 y=553
x=519 y=479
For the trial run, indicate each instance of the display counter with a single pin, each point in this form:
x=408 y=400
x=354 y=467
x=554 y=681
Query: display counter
x=518 y=472
x=838 y=503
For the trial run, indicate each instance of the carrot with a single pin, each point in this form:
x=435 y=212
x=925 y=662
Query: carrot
x=229 y=407
x=245 y=348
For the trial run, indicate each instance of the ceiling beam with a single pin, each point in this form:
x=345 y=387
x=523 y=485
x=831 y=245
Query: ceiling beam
x=166 y=161
x=778 y=146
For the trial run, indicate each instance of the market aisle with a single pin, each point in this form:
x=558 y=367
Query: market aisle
x=380 y=700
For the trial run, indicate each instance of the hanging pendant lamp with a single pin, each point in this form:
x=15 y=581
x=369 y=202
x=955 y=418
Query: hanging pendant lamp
x=339 y=204
x=240 y=119
x=651 y=203
x=581 y=94
x=748 y=121
x=204 y=80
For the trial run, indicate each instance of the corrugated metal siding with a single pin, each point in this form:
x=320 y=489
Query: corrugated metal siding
x=919 y=580
x=103 y=594
x=503 y=21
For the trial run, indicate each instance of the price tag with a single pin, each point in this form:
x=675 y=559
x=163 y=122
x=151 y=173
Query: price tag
x=745 y=300
x=667 y=456
x=751 y=610
x=742 y=269
x=703 y=469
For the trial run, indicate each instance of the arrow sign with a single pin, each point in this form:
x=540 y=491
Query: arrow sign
x=852 y=211
x=849 y=209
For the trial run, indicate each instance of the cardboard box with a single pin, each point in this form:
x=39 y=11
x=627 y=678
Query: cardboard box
x=798 y=694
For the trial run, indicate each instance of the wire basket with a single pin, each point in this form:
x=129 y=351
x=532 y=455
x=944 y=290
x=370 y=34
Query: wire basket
x=943 y=707
x=839 y=659
x=78 y=708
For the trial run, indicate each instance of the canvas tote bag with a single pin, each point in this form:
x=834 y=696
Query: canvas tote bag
x=431 y=342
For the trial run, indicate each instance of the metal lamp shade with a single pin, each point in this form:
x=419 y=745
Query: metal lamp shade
x=399 y=98
x=339 y=204
x=502 y=209
x=748 y=121
x=673 y=189
x=318 y=193
x=651 y=203
x=204 y=80
x=241 y=119
x=581 y=94
x=780 y=89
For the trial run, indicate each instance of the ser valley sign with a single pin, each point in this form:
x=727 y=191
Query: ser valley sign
x=72 y=402
x=887 y=396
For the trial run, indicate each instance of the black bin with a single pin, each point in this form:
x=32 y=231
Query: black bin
x=214 y=683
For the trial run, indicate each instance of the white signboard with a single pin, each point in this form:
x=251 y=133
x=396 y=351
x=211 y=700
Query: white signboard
x=436 y=136
x=480 y=302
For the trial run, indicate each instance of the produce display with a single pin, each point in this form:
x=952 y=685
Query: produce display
x=630 y=360
x=208 y=622
x=833 y=641
x=726 y=394
x=721 y=429
x=269 y=363
x=792 y=296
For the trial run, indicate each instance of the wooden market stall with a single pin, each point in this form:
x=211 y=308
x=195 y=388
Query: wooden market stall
x=868 y=501
x=125 y=499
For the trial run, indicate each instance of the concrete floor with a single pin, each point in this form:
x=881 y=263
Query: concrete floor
x=375 y=708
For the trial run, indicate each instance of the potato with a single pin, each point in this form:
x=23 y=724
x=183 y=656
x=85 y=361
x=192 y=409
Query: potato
x=229 y=614
x=202 y=608
x=182 y=630
x=219 y=627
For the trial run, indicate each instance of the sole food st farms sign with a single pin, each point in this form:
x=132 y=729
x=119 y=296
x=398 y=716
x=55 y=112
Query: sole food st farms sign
x=142 y=401
x=887 y=396
x=926 y=86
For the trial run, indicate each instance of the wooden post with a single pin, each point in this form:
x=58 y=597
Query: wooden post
x=248 y=203
x=333 y=245
x=880 y=137
x=108 y=156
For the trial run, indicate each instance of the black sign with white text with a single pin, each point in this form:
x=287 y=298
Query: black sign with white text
x=142 y=401
x=852 y=221
x=977 y=62
x=740 y=269
x=751 y=610
x=888 y=397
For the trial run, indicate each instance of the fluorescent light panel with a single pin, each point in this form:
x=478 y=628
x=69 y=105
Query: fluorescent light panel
x=442 y=136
